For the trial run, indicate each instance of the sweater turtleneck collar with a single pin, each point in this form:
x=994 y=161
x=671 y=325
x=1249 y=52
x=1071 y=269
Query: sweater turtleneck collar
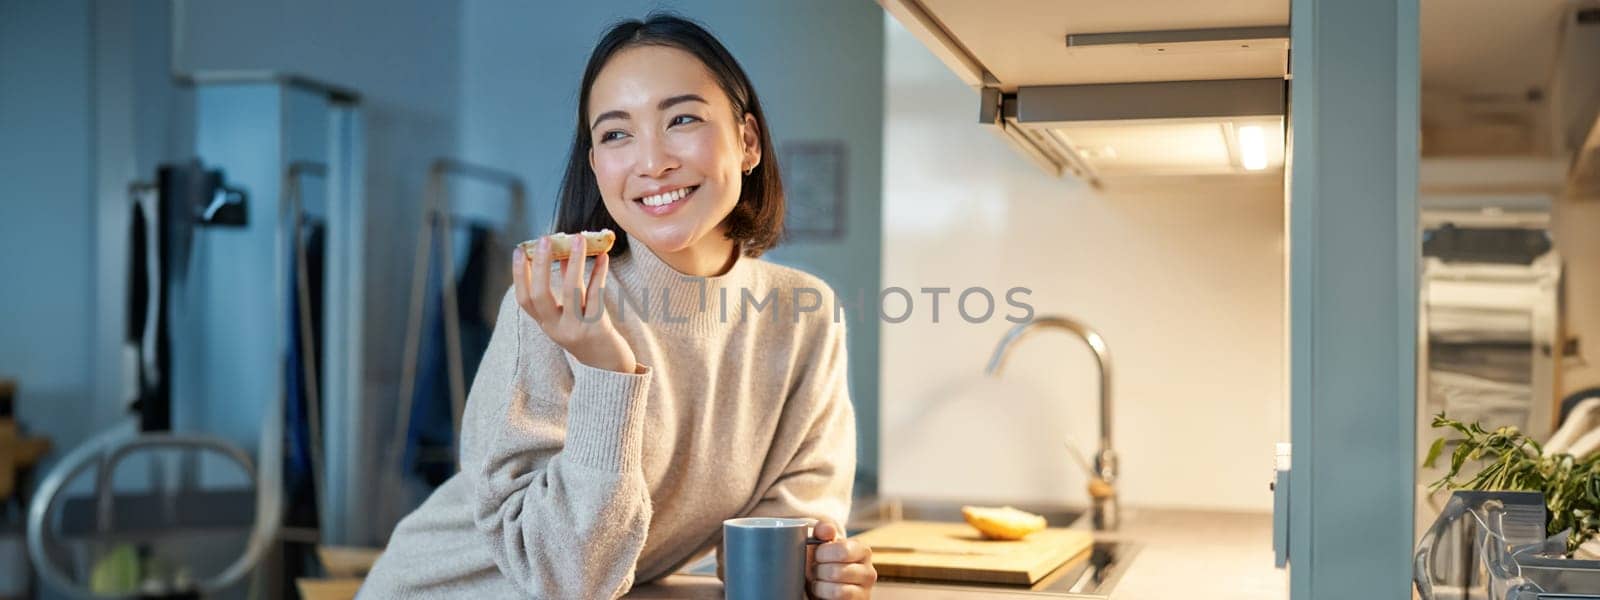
x=676 y=300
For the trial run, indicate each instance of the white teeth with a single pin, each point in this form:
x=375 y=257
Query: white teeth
x=667 y=198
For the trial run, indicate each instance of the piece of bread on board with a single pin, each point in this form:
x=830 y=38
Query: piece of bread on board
x=594 y=243
x=1004 y=523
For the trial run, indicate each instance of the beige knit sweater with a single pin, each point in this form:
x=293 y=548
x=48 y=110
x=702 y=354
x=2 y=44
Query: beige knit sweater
x=578 y=482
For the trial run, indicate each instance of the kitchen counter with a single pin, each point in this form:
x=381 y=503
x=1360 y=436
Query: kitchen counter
x=1183 y=553
x=1200 y=555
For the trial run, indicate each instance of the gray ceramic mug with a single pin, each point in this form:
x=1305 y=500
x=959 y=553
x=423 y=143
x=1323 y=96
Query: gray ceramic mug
x=765 y=558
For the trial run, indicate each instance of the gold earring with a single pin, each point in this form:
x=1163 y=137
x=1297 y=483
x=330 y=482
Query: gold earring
x=750 y=170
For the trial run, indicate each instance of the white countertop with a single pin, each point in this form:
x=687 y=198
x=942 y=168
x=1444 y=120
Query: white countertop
x=1200 y=555
x=1190 y=554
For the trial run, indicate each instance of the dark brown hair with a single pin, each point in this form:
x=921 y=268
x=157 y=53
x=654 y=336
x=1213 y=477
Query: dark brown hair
x=756 y=222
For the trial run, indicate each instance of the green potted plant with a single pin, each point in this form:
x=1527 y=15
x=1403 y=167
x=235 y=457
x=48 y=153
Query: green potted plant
x=1511 y=461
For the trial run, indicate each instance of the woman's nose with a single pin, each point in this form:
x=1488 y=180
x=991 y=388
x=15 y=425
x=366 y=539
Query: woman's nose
x=657 y=159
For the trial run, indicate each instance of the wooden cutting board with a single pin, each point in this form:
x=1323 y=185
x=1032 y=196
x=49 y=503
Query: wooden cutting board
x=342 y=588
x=957 y=552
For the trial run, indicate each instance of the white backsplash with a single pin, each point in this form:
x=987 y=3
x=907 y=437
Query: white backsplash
x=1183 y=278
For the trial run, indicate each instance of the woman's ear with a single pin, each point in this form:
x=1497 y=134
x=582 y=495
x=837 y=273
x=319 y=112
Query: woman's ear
x=750 y=137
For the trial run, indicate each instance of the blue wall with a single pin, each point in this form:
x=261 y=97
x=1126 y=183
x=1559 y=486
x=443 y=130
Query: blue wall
x=136 y=113
x=817 y=65
x=403 y=57
x=87 y=105
x=47 y=246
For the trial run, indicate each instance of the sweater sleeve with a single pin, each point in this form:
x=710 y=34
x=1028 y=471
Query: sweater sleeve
x=553 y=449
x=819 y=477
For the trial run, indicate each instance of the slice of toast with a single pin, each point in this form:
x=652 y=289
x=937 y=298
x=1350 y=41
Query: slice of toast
x=1003 y=523
x=594 y=243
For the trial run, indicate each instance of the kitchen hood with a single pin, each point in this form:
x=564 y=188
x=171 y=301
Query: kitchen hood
x=1101 y=90
x=1092 y=131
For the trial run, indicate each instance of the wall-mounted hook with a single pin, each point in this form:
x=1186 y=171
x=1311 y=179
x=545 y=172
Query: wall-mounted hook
x=205 y=194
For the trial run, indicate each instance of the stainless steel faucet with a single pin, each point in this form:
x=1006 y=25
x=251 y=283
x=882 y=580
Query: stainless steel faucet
x=1102 y=486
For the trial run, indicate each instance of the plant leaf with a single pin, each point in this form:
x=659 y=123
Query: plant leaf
x=1433 y=453
x=1459 y=457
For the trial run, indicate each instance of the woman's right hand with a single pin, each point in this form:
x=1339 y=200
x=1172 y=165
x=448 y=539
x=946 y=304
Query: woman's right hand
x=573 y=316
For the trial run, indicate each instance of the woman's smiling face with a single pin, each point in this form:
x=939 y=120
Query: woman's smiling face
x=667 y=151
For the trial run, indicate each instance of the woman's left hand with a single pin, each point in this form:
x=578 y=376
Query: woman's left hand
x=841 y=567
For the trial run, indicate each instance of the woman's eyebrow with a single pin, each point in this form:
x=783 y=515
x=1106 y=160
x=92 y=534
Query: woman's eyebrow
x=610 y=114
x=663 y=105
x=680 y=99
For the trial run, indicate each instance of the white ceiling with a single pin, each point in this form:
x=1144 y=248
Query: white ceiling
x=1023 y=42
x=1489 y=73
x=1487 y=47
